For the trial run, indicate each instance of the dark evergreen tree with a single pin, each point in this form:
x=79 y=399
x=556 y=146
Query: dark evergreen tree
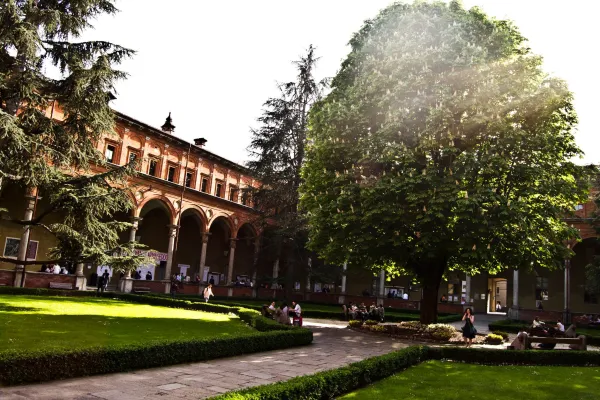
x=40 y=152
x=277 y=154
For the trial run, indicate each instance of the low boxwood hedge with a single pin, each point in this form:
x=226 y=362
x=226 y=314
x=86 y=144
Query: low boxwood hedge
x=24 y=367
x=36 y=366
x=330 y=384
x=334 y=383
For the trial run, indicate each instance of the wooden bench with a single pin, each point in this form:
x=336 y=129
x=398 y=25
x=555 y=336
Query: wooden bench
x=141 y=290
x=64 y=286
x=579 y=341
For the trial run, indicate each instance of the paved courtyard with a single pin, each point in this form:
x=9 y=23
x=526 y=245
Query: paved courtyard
x=333 y=347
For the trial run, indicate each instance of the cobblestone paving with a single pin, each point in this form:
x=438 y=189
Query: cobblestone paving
x=332 y=348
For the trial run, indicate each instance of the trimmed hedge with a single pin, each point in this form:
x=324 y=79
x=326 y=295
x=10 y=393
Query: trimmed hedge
x=516 y=357
x=26 y=367
x=334 y=383
x=513 y=326
x=18 y=367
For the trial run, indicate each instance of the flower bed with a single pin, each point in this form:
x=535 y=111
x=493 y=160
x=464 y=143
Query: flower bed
x=413 y=330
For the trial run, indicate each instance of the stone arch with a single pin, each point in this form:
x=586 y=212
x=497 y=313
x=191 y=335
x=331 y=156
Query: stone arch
x=160 y=201
x=198 y=212
x=245 y=251
x=219 y=245
x=222 y=217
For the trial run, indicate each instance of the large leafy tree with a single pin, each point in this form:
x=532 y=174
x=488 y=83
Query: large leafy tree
x=50 y=155
x=277 y=152
x=442 y=146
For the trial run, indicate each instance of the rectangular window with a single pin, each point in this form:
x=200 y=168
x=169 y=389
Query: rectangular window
x=171 y=174
x=219 y=189
x=133 y=159
x=541 y=288
x=204 y=186
x=152 y=167
x=233 y=193
x=11 y=248
x=109 y=153
x=188 y=179
x=245 y=197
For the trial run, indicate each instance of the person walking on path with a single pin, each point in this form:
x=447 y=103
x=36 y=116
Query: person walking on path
x=105 y=279
x=469 y=330
x=208 y=292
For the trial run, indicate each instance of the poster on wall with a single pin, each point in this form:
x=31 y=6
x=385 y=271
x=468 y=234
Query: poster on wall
x=144 y=269
x=205 y=274
x=464 y=286
x=482 y=296
x=101 y=268
x=450 y=288
x=317 y=287
x=183 y=269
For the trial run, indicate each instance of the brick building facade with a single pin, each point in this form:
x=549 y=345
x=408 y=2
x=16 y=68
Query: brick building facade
x=190 y=209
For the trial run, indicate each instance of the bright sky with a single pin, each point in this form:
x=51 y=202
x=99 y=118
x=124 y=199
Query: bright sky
x=214 y=63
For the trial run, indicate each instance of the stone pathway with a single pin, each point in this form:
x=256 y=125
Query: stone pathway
x=333 y=347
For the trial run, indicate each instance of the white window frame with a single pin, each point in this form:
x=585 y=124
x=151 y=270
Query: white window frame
x=30 y=241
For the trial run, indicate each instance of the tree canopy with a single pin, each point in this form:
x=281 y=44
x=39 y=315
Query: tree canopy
x=442 y=146
x=39 y=149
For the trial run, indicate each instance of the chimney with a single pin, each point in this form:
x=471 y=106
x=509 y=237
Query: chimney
x=168 y=127
x=200 y=142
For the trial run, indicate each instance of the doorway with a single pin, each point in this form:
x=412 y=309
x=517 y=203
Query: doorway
x=497 y=289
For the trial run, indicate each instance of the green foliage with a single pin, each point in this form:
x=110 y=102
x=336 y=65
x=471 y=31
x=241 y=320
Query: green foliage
x=504 y=335
x=371 y=322
x=70 y=323
x=24 y=367
x=334 y=383
x=44 y=151
x=449 y=380
x=330 y=384
x=440 y=331
x=48 y=364
x=440 y=147
x=592 y=276
x=494 y=339
x=355 y=323
x=413 y=325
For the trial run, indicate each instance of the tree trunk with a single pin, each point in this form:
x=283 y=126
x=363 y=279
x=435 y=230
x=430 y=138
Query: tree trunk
x=432 y=277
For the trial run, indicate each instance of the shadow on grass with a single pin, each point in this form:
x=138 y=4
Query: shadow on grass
x=42 y=331
x=4 y=307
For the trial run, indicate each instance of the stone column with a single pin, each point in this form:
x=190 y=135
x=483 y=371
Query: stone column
x=171 y=248
x=567 y=292
x=126 y=283
x=276 y=269
x=381 y=293
x=203 y=254
x=513 y=312
x=255 y=266
x=342 y=296
x=31 y=197
x=80 y=281
x=232 y=243
x=468 y=302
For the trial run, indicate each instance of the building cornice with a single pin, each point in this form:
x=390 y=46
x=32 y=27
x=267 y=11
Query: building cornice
x=197 y=151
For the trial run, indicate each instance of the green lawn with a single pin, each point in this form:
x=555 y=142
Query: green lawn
x=457 y=381
x=35 y=323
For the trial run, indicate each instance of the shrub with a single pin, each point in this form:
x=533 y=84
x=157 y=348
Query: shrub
x=503 y=334
x=378 y=328
x=493 y=339
x=371 y=322
x=440 y=331
x=516 y=357
x=23 y=367
x=333 y=383
x=412 y=325
x=35 y=366
x=355 y=323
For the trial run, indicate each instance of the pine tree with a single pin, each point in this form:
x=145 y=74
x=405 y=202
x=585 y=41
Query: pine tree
x=51 y=156
x=277 y=154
